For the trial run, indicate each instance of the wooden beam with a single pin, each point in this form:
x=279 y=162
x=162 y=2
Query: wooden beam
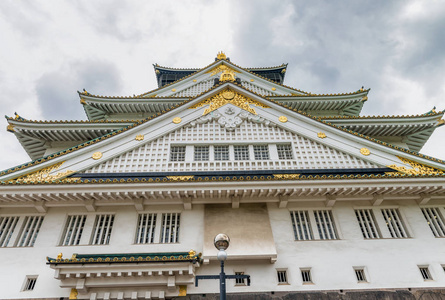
x=377 y=200
x=90 y=205
x=187 y=203
x=235 y=202
x=330 y=200
x=139 y=204
x=424 y=199
x=283 y=201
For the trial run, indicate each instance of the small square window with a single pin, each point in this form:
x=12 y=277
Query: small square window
x=261 y=152
x=30 y=283
x=241 y=152
x=177 y=153
x=306 y=276
x=425 y=273
x=221 y=152
x=240 y=281
x=284 y=152
x=282 y=276
x=201 y=153
x=360 y=274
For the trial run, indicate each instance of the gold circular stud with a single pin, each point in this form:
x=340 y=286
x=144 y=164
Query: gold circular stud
x=273 y=89
x=321 y=135
x=228 y=95
x=365 y=151
x=96 y=155
x=282 y=119
x=177 y=120
x=251 y=80
x=173 y=90
x=139 y=137
x=194 y=80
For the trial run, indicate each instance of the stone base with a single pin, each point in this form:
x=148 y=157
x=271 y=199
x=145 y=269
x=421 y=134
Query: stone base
x=413 y=294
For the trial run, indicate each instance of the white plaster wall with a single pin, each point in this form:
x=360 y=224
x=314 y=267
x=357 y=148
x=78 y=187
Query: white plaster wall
x=389 y=263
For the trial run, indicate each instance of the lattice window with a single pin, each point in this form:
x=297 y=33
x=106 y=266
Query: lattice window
x=367 y=223
x=170 y=228
x=201 y=153
x=435 y=220
x=177 y=153
x=282 y=276
x=261 y=152
x=360 y=275
x=221 y=152
x=30 y=283
x=7 y=227
x=145 y=232
x=30 y=230
x=325 y=224
x=284 y=151
x=256 y=89
x=73 y=230
x=102 y=230
x=241 y=152
x=306 y=275
x=301 y=225
x=394 y=222
x=425 y=272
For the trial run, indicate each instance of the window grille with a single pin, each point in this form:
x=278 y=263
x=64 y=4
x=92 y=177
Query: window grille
x=30 y=283
x=241 y=152
x=284 y=152
x=425 y=273
x=30 y=230
x=170 y=228
x=282 y=276
x=221 y=152
x=73 y=230
x=177 y=153
x=240 y=281
x=102 y=229
x=367 y=223
x=360 y=274
x=325 y=224
x=301 y=225
x=394 y=223
x=435 y=220
x=306 y=275
x=261 y=152
x=7 y=227
x=201 y=153
x=146 y=229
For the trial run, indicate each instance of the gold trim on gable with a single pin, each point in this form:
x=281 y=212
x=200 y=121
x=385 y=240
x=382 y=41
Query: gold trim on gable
x=43 y=174
x=228 y=96
x=417 y=169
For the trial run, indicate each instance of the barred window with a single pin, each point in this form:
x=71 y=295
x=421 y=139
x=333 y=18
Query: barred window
x=435 y=220
x=30 y=230
x=102 y=230
x=306 y=276
x=30 y=283
x=7 y=227
x=425 y=272
x=73 y=230
x=201 y=153
x=241 y=152
x=325 y=224
x=240 y=281
x=221 y=152
x=284 y=151
x=177 y=153
x=282 y=276
x=301 y=225
x=261 y=152
x=360 y=275
x=367 y=223
x=170 y=228
x=394 y=222
x=145 y=232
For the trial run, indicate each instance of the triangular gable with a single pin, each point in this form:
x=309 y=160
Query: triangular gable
x=332 y=137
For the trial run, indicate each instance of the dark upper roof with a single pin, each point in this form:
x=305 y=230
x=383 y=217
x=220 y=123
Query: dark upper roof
x=166 y=75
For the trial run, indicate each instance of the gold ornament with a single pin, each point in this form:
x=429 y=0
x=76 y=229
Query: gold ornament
x=10 y=128
x=173 y=90
x=73 y=294
x=286 y=176
x=96 y=155
x=177 y=120
x=227 y=75
x=251 y=80
x=180 y=178
x=43 y=175
x=192 y=253
x=224 y=98
x=221 y=55
x=59 y=256
x=365 y=151
x=221 y=68
x=194 y=80
x=82 y=101
x=417 y=169
x=321 y=135
x=282 y=119
x=273 y=89
x=182 y=290
x=139 y=137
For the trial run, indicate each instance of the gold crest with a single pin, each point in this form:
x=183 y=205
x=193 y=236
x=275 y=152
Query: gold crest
x=321 y=135
x=365 y=151
x=96 y=155
x=282 y=119
x=139 y=137
x=177 y=120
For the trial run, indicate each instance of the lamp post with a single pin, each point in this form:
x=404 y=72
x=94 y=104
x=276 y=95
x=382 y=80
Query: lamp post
x=221 y=242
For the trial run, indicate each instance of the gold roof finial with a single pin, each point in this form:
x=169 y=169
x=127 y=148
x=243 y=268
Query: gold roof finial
x=221 y=55
x=227 y=75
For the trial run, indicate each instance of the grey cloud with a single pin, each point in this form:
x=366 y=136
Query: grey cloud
x=57 y=94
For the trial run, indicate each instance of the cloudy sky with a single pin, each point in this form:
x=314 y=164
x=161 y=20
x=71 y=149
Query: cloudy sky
x=51 y=49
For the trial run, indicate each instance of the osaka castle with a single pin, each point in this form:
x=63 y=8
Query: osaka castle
x=317 y=200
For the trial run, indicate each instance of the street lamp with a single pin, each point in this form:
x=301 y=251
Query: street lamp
x=221 y=242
